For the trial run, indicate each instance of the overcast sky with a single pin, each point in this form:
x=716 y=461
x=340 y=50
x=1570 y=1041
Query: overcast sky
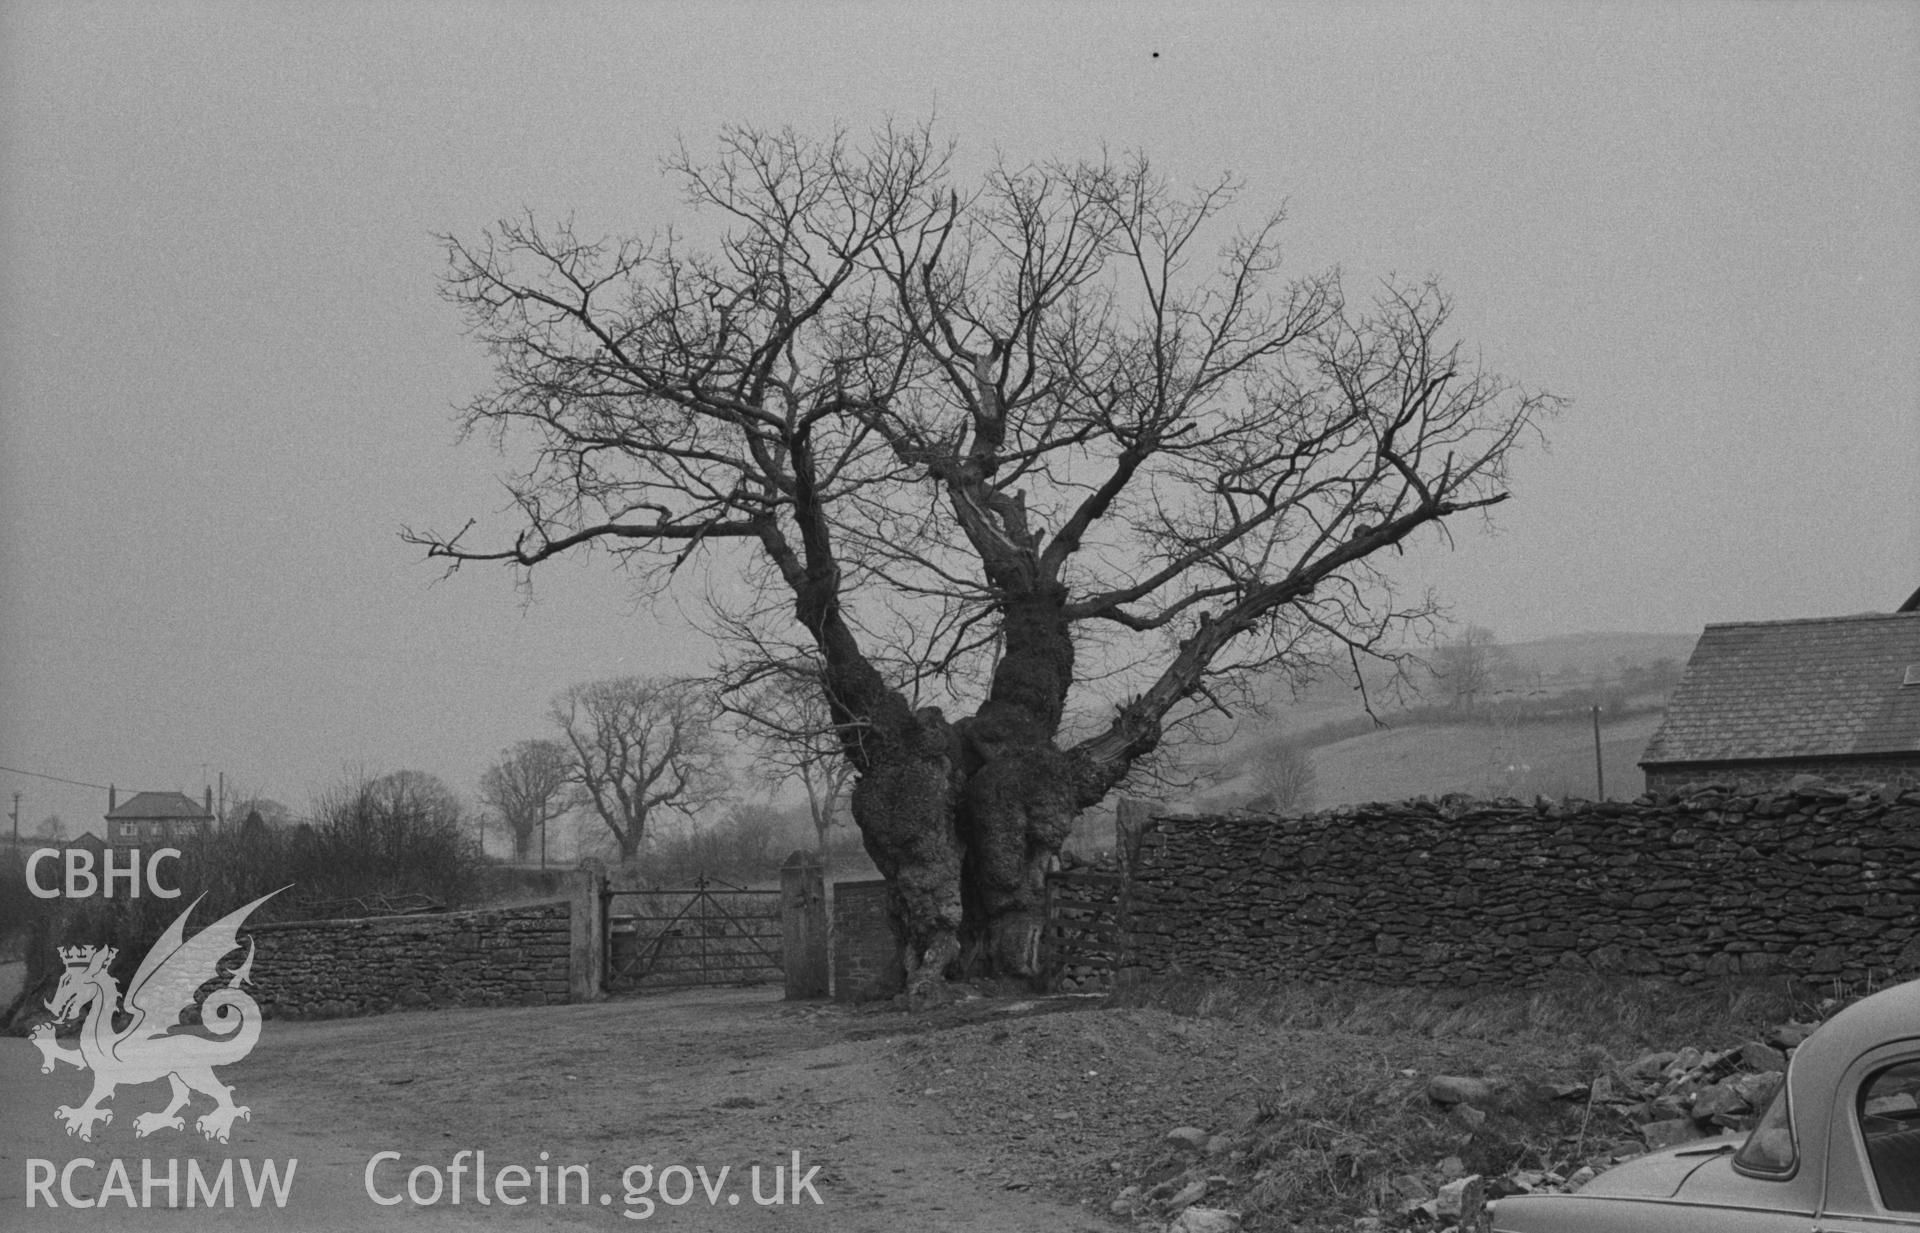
x=227 y=379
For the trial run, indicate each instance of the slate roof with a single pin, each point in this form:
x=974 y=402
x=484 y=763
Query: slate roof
x=143 y=805
x=1826 y=687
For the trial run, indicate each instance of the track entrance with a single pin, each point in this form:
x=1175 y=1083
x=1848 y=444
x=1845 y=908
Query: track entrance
x=707 y=934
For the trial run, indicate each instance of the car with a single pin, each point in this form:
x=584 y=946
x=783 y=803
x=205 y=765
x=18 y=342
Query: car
x=1837 y=1150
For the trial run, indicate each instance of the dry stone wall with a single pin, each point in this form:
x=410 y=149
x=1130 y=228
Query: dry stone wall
x=492 y=957
x=1818 y=883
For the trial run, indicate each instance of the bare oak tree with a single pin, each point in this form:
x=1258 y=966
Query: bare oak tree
x=1036 y=466
x=636 y=745
x=526 y=789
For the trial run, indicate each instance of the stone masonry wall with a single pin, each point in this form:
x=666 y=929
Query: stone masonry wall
x=490 y=957
x=1777 y=775
x=866 y=958
x=1818 y=883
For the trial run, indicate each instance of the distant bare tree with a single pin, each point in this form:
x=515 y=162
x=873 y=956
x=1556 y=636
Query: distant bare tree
x=402 y=831
x=640 y=744
x=1469 y=668
x=1658 y=677
x=747 y=830
x=253 y=828
x=526 y=789
x=51 y=827
x=1283 y=776
x=273 y=815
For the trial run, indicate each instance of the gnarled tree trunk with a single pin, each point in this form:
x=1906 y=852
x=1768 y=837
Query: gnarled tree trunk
x=904 y=805
x=965 y=843
x=965 y=819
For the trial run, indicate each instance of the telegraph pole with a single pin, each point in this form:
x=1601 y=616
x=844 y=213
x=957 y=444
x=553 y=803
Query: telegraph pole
x=16 y=821
x=1599 y=769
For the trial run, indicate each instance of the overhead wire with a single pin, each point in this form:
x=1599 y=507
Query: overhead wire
x=14 y=770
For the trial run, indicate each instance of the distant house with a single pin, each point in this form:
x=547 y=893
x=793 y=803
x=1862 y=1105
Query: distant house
x=85 y=839
x=156 y=818
x=1763 y=701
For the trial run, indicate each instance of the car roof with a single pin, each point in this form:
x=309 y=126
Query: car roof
x=1891 y=1014
x=1821 y=1063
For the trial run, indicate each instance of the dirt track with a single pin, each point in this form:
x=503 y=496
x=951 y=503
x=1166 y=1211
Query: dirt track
x=731 y=1078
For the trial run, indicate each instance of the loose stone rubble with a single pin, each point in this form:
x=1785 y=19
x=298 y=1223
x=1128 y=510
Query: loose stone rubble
x=1653 y=1101
x=1667 y=1097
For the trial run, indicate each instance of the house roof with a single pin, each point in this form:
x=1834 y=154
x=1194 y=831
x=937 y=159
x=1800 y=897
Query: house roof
x=1826 y=687
x=142 y=805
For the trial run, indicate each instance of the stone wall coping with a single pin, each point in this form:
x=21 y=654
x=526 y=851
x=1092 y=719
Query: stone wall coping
x=340 y=922
x=1653 y=806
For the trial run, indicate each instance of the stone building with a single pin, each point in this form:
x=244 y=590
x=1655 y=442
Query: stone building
x=148 y=819
x=1763 y=701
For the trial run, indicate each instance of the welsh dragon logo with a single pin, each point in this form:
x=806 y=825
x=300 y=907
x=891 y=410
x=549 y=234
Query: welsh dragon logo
x=148 y=1047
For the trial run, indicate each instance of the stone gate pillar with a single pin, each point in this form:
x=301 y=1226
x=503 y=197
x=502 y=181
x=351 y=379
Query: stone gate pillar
x=587 y=950
x=803 y=925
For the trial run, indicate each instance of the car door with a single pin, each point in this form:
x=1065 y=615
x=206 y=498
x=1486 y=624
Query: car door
x=1873 y=1147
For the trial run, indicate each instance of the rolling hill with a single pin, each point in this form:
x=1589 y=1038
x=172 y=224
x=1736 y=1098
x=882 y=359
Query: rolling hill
x=1429 y=753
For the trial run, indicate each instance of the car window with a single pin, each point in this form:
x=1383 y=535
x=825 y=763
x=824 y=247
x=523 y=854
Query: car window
x=1889 y=1112
x=1770 y=1148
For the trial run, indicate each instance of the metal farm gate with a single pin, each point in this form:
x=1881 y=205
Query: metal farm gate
x=707 y=934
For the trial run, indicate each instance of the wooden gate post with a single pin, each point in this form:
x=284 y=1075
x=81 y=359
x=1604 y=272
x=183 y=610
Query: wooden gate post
x=803 y=926
x=1049 y=965
x=587 y=949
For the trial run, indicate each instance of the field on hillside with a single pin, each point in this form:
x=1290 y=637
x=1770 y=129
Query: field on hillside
x=1485 y=760
x=1603 y=655
x=1531 y=736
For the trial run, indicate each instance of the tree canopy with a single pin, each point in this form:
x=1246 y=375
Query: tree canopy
x=1056 y=447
